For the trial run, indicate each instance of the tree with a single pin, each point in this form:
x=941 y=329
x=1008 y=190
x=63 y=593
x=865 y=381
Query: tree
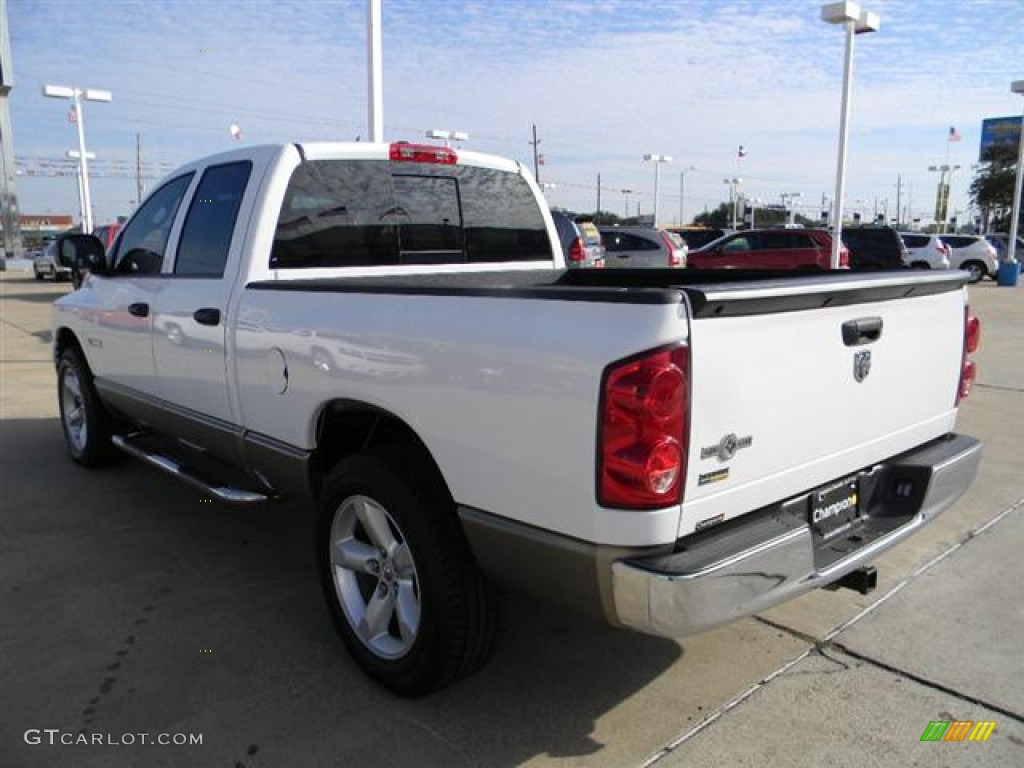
x=992 y=187
x=719 y=218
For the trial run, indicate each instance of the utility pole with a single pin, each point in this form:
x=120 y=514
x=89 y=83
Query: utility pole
x=599 y=195
x=536 y=164
x=138 y=170
x=899 y=193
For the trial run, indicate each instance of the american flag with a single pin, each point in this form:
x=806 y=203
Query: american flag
x=72 y=115
x=954 y=134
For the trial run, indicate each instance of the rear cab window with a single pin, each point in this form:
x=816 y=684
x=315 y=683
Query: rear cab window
x=591 y=235
x=372 y=213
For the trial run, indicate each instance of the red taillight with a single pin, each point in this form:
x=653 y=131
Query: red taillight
x=577 y=251
x=642 y=440
x=968 y=369
x=674 y=260
x=972 y=332
x=404 y=152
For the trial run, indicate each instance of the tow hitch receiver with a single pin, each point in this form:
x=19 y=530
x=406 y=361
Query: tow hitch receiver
x=863 y=580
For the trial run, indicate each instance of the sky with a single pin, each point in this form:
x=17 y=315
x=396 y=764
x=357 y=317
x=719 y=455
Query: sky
x=604 y=81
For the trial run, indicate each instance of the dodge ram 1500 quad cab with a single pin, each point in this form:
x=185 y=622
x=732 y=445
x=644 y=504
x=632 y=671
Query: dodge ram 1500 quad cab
x=388 y=331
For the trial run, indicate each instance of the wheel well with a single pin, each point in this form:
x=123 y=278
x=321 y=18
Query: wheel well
x=920 y=265
x=66 y=339
x=346 y=428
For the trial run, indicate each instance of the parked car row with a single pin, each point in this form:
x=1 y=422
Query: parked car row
x=863 y=248
x=971 y=253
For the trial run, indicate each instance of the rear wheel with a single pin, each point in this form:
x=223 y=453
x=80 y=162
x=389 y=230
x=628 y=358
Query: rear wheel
x=921 y=265
x=39 y=275
x=402 y=587
x=975 y=269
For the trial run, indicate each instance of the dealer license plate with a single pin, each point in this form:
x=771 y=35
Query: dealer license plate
x=835 y=507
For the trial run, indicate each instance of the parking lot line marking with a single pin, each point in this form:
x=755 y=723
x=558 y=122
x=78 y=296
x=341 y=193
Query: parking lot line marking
x=920 y=570
x=827 y=641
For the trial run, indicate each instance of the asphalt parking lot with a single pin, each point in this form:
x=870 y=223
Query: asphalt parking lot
x=130 y=605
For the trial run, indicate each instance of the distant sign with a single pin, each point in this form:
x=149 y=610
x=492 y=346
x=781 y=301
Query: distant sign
x=999 y=130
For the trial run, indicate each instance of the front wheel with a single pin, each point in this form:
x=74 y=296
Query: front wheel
x=402 y=587
x=86 y=423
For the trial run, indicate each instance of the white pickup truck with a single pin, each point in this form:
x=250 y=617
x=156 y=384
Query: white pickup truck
x=387 y=331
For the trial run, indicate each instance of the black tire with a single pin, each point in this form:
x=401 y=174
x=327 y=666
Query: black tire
x=457 y=612
x=86 y=423
x=37 y=273
x=920 y=265
x=976 y=270
x=76 y=279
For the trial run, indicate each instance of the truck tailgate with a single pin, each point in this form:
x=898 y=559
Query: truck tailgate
x=794 y=389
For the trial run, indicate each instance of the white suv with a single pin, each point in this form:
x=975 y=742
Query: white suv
x=925 y=251
x=972 y=253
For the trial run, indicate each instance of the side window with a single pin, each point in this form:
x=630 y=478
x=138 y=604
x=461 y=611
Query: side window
x=140 y=249
x=206 y=236
x=736 y=244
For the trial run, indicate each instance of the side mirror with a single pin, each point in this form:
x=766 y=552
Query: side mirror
x=84 y=252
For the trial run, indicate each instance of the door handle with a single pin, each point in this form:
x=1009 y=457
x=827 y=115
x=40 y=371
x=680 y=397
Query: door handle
x=207 y=316
x=864 y=330
x=138 y=309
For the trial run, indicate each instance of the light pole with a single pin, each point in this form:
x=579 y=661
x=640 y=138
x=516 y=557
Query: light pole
x=856 y=21
x=682 y=194
x=374 y=71
x=733 y=197
x=942 y=196
x=74 y=155
x=657 y=160
x=1009 y=268
x=787 y=202
x=448 y=136
x=76 y=95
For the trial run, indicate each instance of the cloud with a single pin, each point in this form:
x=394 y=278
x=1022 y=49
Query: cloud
x=605 y=82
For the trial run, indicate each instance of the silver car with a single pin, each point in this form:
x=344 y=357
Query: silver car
x=580 y=241
x=48 y=264
x=925 y=251
x=643 y=248
x=972 y=253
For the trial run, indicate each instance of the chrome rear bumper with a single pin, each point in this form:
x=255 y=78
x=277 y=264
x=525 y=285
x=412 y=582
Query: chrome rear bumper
x=738 y=571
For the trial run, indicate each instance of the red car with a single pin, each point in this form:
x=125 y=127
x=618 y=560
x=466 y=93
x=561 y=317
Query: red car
x=769 y=249
x=108 y=233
